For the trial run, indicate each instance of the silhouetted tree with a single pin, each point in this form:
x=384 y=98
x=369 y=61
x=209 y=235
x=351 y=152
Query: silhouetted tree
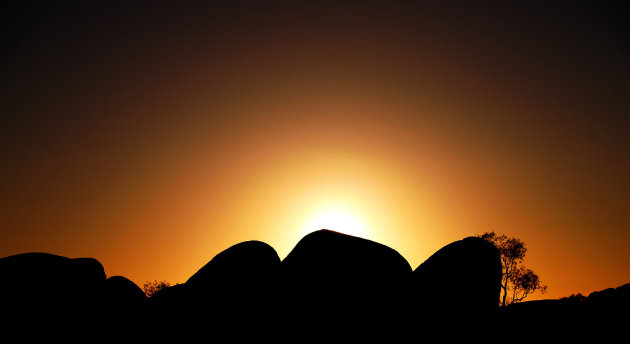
x=151 y=288
x=517 y=282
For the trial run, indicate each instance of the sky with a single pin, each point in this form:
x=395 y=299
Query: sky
x=153 y=136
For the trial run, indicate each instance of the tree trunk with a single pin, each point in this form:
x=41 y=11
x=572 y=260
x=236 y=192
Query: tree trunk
x=508 y=267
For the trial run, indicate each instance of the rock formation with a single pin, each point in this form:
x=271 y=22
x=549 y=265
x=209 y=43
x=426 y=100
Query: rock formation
x=329 y=283
x=462 y=277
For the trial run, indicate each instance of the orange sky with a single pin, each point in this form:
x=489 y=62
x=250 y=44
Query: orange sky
x=152 y=138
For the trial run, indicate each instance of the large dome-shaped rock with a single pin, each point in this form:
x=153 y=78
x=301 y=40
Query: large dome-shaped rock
x=463 y=277
x=333 y=260
x=124 y=309
x=344 y=279
x=122 y=295
x=249 y=262
x=47 y=284
x=238 y=286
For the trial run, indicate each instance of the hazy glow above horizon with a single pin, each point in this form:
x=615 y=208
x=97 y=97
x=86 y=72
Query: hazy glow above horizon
x=336 y=217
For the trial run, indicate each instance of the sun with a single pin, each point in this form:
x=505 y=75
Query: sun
x=337 y=218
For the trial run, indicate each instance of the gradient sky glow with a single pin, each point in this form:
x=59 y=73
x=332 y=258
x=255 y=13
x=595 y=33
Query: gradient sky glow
x=152 y=137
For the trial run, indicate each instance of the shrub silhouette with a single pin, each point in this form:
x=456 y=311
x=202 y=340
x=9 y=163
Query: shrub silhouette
x=151 y=288
x=574 y=298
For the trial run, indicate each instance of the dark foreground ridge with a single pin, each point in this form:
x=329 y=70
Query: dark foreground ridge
x=330 y=283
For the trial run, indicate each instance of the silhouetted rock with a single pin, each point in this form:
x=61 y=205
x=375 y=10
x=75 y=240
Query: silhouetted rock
x=623 y=293
x=603 y=312
x=329 y=283
x=249 y=261
x=610 y=303
x=344 y=279
x=541 y=310
x=325 y=256
x=237 y=287
x=461 y=278
x=45 y=282
x=122 y=295
x=171 y=306
x=603 y=297
x=45 y=292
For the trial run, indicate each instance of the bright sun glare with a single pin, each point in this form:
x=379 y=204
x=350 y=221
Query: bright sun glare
x=336 y=219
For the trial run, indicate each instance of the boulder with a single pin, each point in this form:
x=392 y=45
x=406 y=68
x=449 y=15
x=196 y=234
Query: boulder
x=121 y=294
x=602 y=312
x=336 y=262
x=349 y=281
x=174 y=299
x=623 y=293
x=461 y=278
x=245 y=264
x=610 y=303
x=236 y=288
x=45 y=284
x=603 y=297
